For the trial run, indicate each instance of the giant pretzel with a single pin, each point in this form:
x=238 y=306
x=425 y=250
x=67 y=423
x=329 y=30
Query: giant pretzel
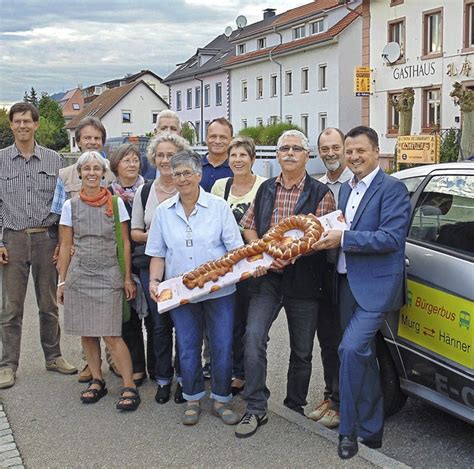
x=273 y=242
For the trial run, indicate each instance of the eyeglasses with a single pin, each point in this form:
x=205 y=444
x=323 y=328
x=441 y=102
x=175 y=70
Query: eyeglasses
x=185 y=174
x=130 y=162
x=295 y=148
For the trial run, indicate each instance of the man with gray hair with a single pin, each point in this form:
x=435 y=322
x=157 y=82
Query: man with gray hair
x=168 y=121
x=296 y=286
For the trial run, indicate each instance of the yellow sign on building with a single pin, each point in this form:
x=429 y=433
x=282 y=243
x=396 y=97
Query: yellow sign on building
x=440 y=322
x=421 y=149
x=362 y=81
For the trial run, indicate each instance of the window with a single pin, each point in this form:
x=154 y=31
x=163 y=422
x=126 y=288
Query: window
x=245 y=91
x=197 y=96
x=304 y=123
x=273 y=120
x=219 y=94
x=469 y=24
x=197 y=128
x=299 y=32
x=323 y=121
x=445 y=218
x=259 y=88
x=261 y=43
x=206 y=126
x=207 y=95
x=178 y=101
x=259 y=121
x=241 y=49
x=393 y=118
x=304 y=80
x=243 y=124
x=126 y=117
x=76 y=106
x=322 y=77
x=396 y=33
x=289 y=82
x=154 y=116
x=433 y=32
x=289 y=119
x=189 y=98
x=394 y=3
x=431 y=109
x=317 y=26
x=273 y=85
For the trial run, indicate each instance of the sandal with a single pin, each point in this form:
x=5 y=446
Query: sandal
x=226 y=414
x=134 y=400
x=97 y=394
x=191 y=414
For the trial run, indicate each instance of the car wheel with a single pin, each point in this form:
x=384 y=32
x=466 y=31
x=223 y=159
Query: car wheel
x=393 y=397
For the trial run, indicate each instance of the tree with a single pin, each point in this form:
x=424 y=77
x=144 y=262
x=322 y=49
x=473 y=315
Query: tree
x=51 y=132
x=465 y=100
x=6 y=135
x=403 y=103
x=188 y=133
x=267 y=134
x=31 y=98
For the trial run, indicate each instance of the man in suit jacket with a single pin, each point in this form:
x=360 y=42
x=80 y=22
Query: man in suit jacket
x=371 y=282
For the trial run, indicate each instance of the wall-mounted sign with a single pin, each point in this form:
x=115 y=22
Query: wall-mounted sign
x=464 y=69
x=421 y=149
x=362 y=81
x=414 y=71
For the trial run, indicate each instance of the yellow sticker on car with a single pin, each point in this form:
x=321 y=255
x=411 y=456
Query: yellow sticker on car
x=440 y=322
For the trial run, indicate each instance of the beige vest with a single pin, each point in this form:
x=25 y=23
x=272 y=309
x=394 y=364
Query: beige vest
x=72 y=183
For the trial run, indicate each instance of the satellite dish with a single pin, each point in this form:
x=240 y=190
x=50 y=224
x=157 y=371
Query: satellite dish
x=228 y=31
x=241 y=21
x=391 y=52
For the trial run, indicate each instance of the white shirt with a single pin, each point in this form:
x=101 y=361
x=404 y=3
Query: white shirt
x=336 y=185
x=359 y=188
x=66 y=214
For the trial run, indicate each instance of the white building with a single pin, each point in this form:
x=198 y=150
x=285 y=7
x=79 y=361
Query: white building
x=199 y=86
x=436 y=39
x=298 y=68
x=124 y=111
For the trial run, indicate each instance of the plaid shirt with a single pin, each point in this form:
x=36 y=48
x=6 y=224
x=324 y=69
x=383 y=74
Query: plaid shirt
x=27 y=187
x=59 y=197
x=285 y=201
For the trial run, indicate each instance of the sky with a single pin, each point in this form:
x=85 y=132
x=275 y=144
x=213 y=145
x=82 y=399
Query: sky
x=56 y=45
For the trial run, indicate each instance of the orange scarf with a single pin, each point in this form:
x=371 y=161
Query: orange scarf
x=102 y=198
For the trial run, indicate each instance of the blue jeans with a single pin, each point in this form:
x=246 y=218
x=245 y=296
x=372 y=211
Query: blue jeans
x=302 y=316
x=188 y=321
x=162 y=337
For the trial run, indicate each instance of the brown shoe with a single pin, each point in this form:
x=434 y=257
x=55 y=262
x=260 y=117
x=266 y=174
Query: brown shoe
x=85 y=375
x=320 y=410
x=330 y=419
x=7 y=378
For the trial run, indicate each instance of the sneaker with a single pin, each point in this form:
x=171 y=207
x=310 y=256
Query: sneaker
x=206 y=371
x=330 y=419
x=61 y=366
x=7 y=378
x=320 y=410
x=249 y=424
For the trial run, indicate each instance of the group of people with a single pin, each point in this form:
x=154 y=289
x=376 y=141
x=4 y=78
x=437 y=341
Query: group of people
x=120 y=236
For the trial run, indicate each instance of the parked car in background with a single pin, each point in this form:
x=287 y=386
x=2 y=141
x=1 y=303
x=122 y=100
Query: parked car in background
x=147 y=170
x=426 y=350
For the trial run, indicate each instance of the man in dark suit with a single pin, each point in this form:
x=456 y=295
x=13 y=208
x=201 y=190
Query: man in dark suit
x=371 y=282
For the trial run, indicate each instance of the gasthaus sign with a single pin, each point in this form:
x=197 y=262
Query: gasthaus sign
x=440 y=322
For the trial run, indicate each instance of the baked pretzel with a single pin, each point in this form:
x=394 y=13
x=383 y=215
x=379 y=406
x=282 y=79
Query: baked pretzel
x=274 y=242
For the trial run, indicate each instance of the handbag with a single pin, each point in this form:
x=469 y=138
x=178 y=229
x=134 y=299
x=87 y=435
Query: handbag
x=120 y=255
x=139 y=259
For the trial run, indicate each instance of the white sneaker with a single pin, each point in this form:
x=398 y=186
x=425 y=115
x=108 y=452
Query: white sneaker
x=319 y=410
x=7 y=378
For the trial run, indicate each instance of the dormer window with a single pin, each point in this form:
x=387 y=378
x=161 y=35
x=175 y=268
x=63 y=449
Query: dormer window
x=317 y=27
x=299 y=32
x=261 y=43
x=241 y=49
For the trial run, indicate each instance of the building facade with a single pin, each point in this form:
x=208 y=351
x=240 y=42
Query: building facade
x=436 y=49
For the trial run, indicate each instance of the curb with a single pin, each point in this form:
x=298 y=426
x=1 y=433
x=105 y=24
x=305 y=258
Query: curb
x=370 y=455
x=9 y=454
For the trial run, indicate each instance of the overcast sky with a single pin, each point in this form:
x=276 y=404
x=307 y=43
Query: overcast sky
x=54 y=45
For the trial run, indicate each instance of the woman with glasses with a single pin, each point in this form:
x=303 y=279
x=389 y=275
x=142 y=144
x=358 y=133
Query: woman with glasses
x=189 y=229
x=239 y=192
x=159 y=152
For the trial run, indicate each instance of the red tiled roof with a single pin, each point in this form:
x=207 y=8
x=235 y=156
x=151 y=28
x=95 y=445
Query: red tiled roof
x=103 y=103
x=305 y=10
x=304 y=42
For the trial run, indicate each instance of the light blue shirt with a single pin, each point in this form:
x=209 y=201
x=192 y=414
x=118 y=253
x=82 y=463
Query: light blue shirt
x=185 y=243
x=359 y=188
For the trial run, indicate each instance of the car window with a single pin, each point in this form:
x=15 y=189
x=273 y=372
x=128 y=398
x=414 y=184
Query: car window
x=413 y=183
x=444 y=213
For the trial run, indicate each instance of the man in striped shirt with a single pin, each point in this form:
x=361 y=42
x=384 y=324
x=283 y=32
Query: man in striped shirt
x=28 y=238
x=296 y=286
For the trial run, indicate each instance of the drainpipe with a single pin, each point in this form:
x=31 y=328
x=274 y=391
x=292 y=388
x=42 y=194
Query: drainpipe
x=201 y=127
x=281 y=71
